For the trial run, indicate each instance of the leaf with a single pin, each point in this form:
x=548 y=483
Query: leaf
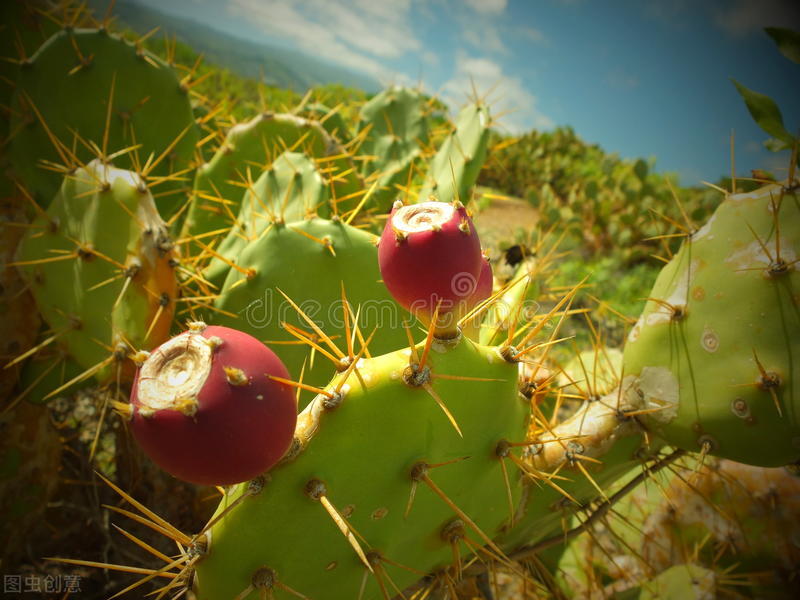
x=788 y=42
x=774 y=145
x=765 y=113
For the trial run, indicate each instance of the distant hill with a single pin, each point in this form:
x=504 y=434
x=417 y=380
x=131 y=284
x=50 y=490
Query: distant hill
x=279 y=67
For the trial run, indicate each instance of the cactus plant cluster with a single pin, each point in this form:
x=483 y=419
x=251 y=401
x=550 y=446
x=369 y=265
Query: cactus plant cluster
x=606 y=203
x=294 y=313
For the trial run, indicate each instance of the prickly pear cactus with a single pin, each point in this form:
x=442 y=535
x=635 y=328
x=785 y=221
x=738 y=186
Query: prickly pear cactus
x=593 y=448
x=50 y=369
x=596 y=372
x=394 y=472
x=394 y=127
x=731 y=520
x=455 y=167
x=290 y=189
x=517 y=303
x=679 y=582
x=313 y=262
x=110 y=94
x=419 y=470
x=26 y=28
x=101 y=267
x=712 y=352
x=252 y=146
x=330 y=118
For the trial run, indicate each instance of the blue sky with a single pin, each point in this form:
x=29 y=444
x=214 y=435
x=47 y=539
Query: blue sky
x=646 y=78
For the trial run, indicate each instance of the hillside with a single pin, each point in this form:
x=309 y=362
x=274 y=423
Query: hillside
x=273 y=65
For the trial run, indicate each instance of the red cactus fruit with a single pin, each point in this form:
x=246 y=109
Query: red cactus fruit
x=429 y=256
x=483 y=289
x=205 y=410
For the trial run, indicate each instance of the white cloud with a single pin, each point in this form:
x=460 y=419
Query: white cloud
x=380 y=28
x=743 y=17
x=487 y=6
x=508 y=93
x=354 y=34
x=484 y=37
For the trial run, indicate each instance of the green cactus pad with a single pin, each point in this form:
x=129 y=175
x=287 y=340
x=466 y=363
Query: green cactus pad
x=102 y=233
x=251 y=147
x=364 y=446
x=395 y=126
x=312 y=274
x=454 y=169
x=715 y=350
x=25 y=29
x=751 y=510
x=291 y=189
x=64 y=90
x=332 y=120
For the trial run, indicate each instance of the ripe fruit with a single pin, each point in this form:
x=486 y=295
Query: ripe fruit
x=471 y=326
x=430 y=256
x=483 y=288
x=205 y=409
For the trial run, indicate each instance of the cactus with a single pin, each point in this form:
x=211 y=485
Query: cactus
x=518 y=297
x=330 y=119
x=733 y=521
x=712 y=350
x=419 y=469
x=600 y=445
x=394 y=471
x=291 y=189
x=101 y=267
x=48 y=370
x=394 y=128
x=455 y=167
x=113 y=94
x=251 y=146
x=596 y=371
x=328 y=269
x=484 y=288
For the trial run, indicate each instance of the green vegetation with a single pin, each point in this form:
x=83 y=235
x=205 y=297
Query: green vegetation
x=609 y=206
x=621 y=327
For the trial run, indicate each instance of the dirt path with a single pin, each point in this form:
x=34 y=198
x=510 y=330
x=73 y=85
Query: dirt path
x=499 y=223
